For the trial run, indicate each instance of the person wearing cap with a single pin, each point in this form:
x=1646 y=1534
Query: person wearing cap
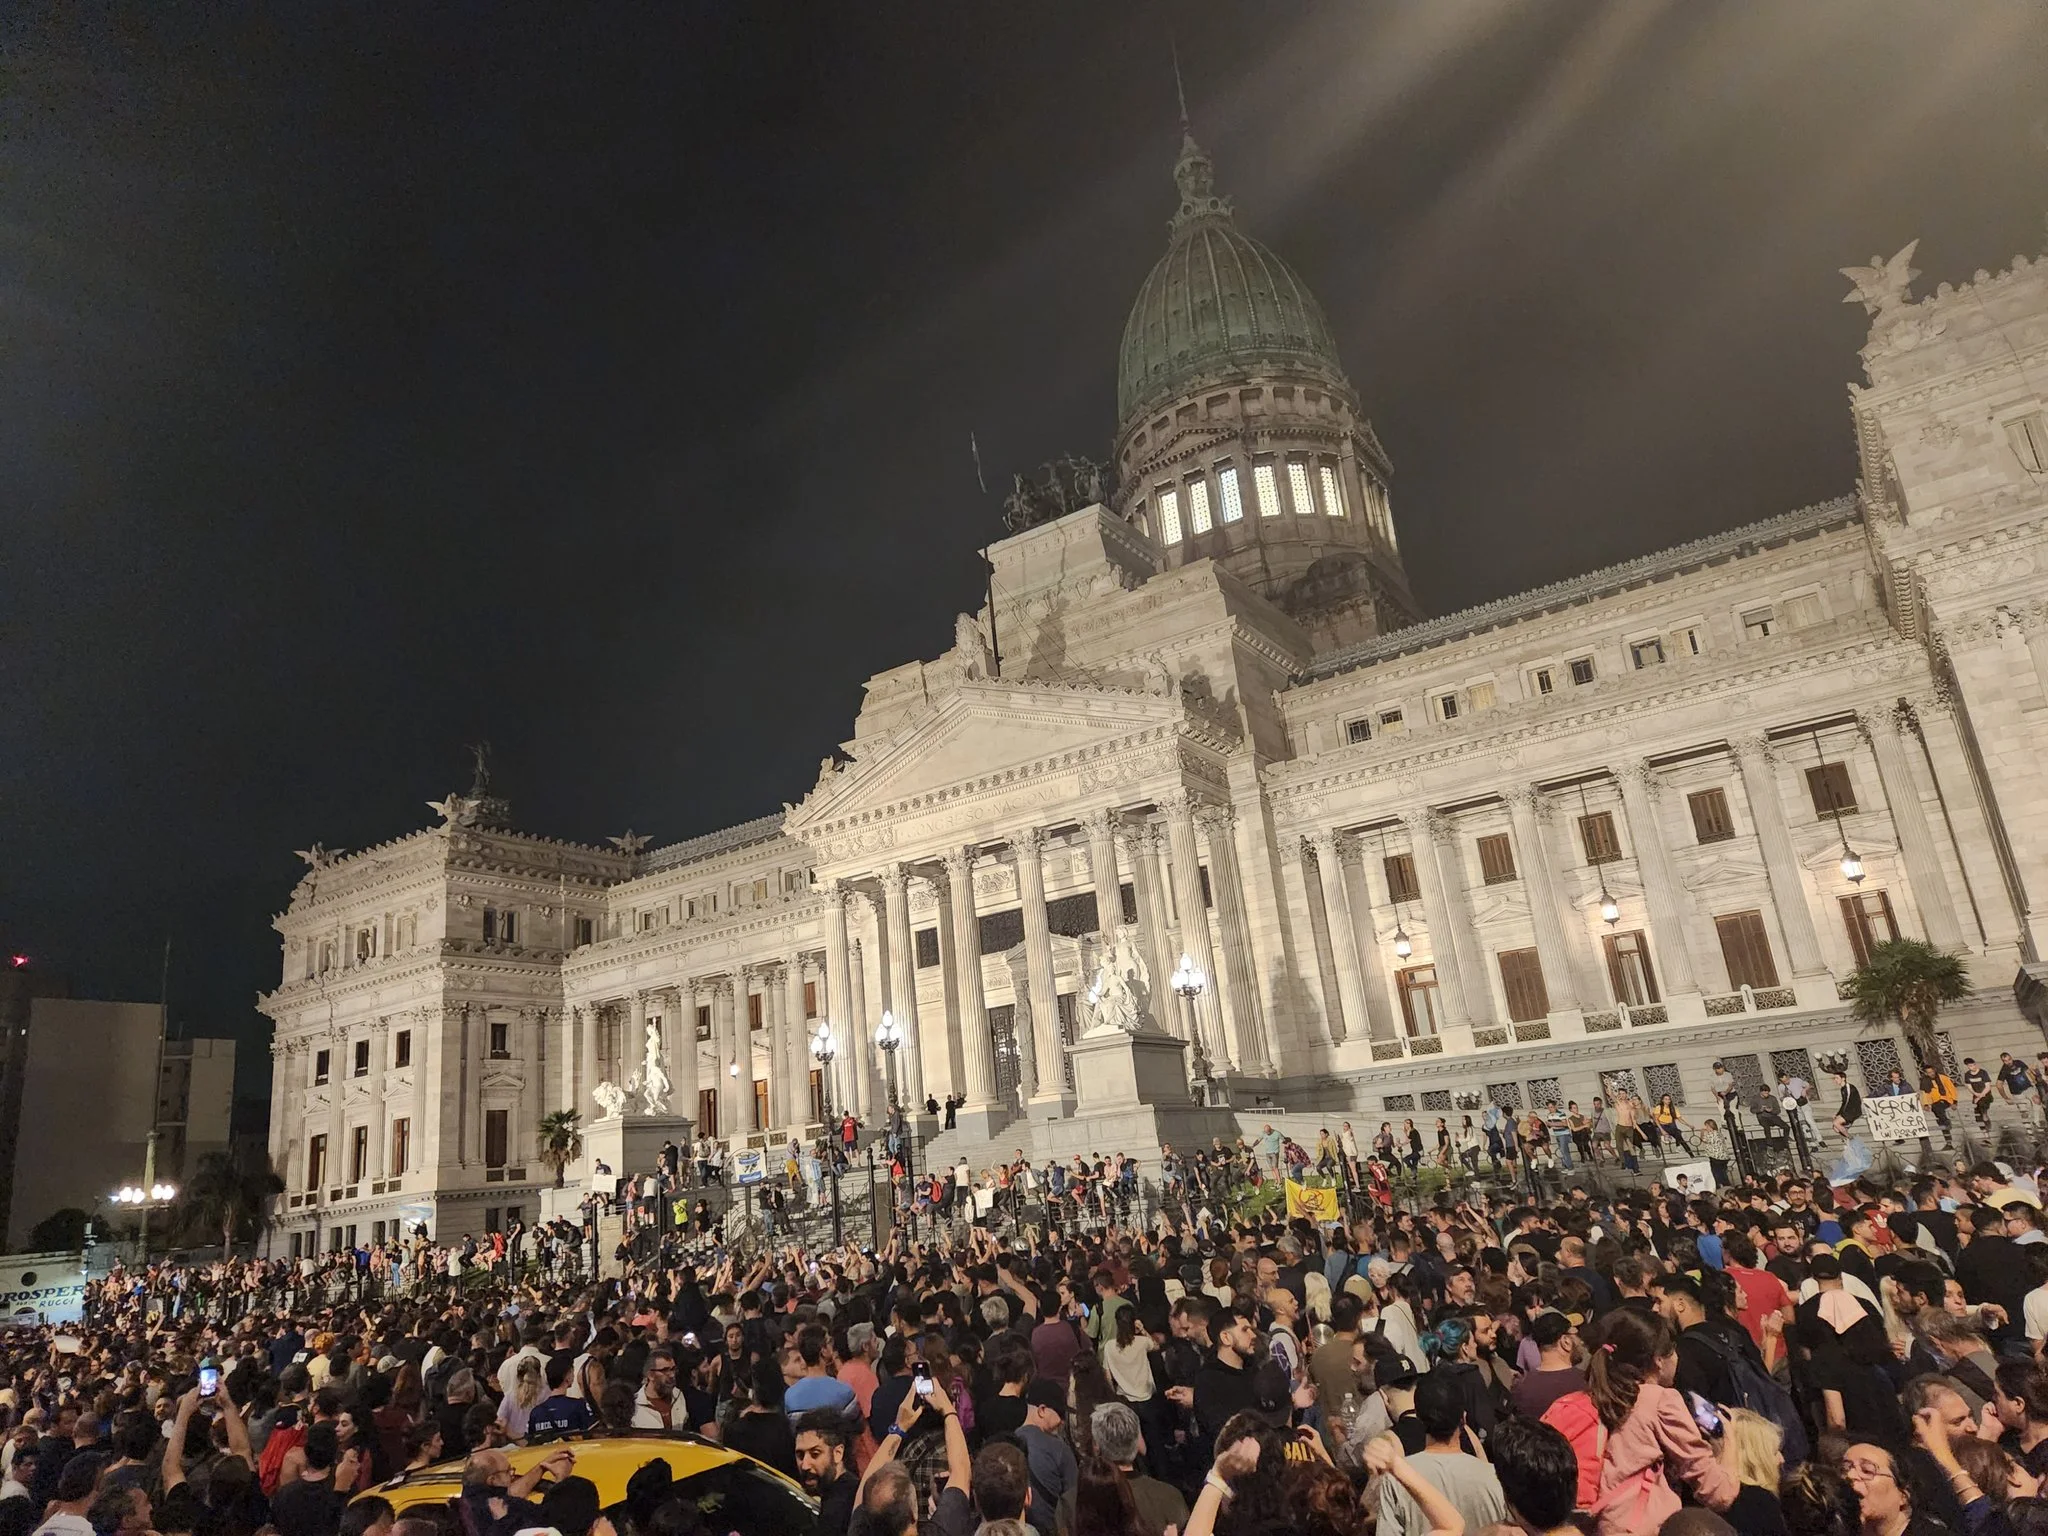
x=1393 y=1379
x=1054 y=1472
x=1556 y=1374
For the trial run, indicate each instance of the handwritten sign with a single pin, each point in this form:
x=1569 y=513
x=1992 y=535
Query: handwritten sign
x=1895 y=1118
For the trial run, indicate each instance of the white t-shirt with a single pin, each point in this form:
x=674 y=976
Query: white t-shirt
x=2036 y=1306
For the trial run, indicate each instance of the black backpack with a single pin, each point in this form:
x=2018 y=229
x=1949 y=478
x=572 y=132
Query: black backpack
x=1761 y=1394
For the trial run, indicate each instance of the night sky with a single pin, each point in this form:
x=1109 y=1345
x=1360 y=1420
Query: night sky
x=376 y=379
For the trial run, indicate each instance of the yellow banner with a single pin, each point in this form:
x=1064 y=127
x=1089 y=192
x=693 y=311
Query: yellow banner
x=1315 y=1204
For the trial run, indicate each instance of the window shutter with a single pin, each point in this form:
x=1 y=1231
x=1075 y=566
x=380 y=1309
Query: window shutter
x=1710 y=823
x=1497 y=858
x=1521 y=973
x=1596 y=832
x=1746 y=948
x=1401 y=884
x=1829 y=786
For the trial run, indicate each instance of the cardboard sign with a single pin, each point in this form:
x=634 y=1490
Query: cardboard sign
x=749 y=1166
x=1895 y=1118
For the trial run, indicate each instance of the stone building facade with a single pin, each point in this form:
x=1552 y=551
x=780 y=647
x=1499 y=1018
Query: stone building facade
x=1599 y=833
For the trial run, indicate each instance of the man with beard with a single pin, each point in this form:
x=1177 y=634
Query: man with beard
x=821 y=1464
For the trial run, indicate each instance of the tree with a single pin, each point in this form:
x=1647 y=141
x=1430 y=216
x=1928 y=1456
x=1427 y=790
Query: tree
x=561 y=1140
x=1907 y=982
x=62 y=1231
x=230 y=1195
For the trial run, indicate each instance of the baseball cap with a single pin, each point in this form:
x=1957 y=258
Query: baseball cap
x=1044 y=1392
x=1395 y=1371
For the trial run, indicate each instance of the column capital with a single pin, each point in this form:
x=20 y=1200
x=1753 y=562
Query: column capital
x=894 y=878
x=1641 y=774
x=1753 y=749
x=833 y=888
x=718 y=986
x=1178 y=803
x=1099 y=823
x=959 y=863
x=1523 y=799
x=1138 y=837
x=1215 y=819
x=1426 y=824
x=1322 y=844
x=1029 y=840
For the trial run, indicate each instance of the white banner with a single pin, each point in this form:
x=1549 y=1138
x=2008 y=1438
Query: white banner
x=749 y=1166
x=41 y=1288
x=1895 y=1118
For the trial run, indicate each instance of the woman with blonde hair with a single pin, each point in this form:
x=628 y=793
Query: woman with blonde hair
x=528 y=1388
x=1752 y=1451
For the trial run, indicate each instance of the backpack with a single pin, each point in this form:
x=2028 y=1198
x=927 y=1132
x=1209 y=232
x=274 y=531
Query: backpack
x=1761 y=1394
x=1575 y=1417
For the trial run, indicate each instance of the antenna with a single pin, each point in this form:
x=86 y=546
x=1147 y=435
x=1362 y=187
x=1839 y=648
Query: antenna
x=1179 y=90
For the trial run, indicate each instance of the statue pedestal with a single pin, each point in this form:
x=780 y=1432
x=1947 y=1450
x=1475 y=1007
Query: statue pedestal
x=1115 y=1071
x=630 y=1144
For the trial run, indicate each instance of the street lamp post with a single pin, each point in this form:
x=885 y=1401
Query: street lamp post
x=823 y=1051
x=145 y=1198
x=1189 y=981
x=889 y=1037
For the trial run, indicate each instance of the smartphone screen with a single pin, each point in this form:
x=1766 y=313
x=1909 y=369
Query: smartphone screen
x=209 y=1380
x=1704 y=1414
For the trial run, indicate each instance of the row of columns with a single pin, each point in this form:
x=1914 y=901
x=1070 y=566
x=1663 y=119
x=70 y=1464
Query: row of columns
x=1572 y=975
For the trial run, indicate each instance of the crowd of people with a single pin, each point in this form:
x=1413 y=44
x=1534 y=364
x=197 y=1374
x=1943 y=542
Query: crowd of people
x=1782 y=1356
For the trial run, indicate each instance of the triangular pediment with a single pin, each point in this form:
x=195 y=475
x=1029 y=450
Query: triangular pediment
x=985 y=730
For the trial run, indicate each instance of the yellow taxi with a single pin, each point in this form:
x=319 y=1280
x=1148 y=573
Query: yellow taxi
x=730 y=1490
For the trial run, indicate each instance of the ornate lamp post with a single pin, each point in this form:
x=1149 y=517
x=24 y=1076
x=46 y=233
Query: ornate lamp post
x=144 y=1200
x=1190 y=982
x=823 y=1051
x=890 y=1038
x=1852 y=865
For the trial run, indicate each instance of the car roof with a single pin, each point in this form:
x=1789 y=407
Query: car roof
x=608 y=1460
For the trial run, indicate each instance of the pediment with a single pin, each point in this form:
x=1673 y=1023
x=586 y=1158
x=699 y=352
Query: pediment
x=985 y=730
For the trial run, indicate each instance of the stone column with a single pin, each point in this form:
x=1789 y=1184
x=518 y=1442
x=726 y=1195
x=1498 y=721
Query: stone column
x=1424 y=827
x=280 y=1085
x=380 y=1065
x=848 y=1037
x=1994 y=912
x=951 y=1047
x=1109 y=901
x=1248 y=1045
x=1040 y=984
x=338 y=1064
x=682 y=1052
x=902 y=971
x=1179 y=809
x=1538 y=885
x=1155 y=923
x=770 y=978
x=1666 y=897
x=977 y=1052
x=796 y=1045
x=1916 y=839
x=866 y=1095
x=1781 y=861
x=1353 y=862
x=728 y=996
x=1343 y=939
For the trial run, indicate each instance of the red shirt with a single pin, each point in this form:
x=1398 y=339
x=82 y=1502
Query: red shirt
x=1762 y=1294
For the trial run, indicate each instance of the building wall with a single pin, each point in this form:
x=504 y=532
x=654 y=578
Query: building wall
x=86 y=1104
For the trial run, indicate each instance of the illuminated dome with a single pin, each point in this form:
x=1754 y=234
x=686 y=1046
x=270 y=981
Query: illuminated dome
x=1217 y=304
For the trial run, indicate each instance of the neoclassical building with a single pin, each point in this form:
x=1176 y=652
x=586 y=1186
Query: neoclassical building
x=1594 y=835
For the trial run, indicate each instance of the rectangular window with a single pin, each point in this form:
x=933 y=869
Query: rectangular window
x=1746 y=948
x=501 y=1039
x=316 y=1161
x=366 y=945
x=646 y=922
x=362 y=1058
x=1480 y=696
x=401 y=1146
x=703 y=1021
x=358 y=1153
x=1198 y=506
x=760 y=1103
x=497 y=1136
x=1582 y=671
x=1447 y=706
x=1689 y=642
x=707 y=1111
x=1596 y=832
x=1804 y=611
x=586 y=931
x=1333 y=493
x=1228 y=496
x=401 y=1048
x=1646 y=653
x=1297 y=483
x=1417 y=986
x=1628 y=969
x=1391 y=722
x=810 y=999
x=1545 y=683
x=1868 y=917
x=1710 y=819
x=321 y=1061
x=1401 y=884
x=1356 y=731
x=817 y=1095
x=1169 y=516
x=927 y=942
x=1521 y=973
x=1497 y=858
x=754 y=1000
x=2029 y=439
x=1758 y=623
x=1829 y=786
x=1267 y=484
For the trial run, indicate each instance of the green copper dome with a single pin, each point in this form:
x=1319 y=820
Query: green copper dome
x=1218 y=301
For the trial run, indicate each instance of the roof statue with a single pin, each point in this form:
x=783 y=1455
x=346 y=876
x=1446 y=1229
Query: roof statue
x=1882 y=286
x=478 y=808
x=629 y=842
x=977 y=661
x=1061 y=486
x=317 y=857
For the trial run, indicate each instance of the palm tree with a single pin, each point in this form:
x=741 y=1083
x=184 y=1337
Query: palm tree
x=230 y=1195
x=561 y=1140
x=1907 y=982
